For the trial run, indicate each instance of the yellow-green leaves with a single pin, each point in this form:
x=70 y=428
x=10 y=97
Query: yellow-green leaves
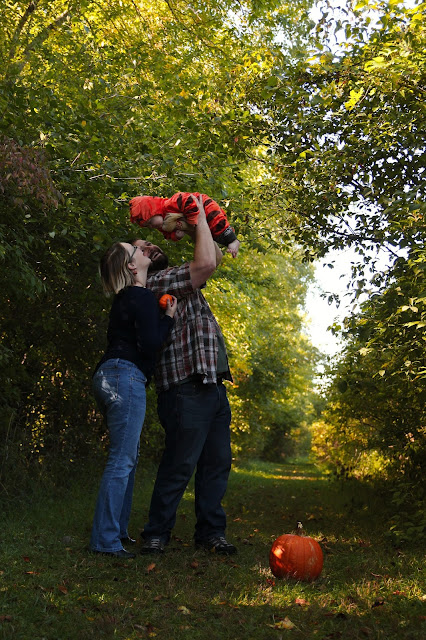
x=354 y=97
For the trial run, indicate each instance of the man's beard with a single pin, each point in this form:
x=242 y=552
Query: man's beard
x=160 y=261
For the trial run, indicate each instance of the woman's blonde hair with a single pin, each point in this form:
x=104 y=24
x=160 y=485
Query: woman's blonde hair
x=114 y=271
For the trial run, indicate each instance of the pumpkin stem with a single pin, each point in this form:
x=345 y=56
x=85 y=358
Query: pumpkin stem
x=299 y=529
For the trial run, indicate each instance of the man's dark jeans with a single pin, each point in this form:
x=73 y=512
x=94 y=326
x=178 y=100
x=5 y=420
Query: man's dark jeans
x=196 y=419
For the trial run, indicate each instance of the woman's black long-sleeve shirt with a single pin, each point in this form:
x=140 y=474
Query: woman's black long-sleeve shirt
x=136 y=329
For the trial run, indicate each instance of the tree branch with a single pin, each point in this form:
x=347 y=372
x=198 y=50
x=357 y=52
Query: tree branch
x=39 y=39
x=21 y=24
x=193 y=32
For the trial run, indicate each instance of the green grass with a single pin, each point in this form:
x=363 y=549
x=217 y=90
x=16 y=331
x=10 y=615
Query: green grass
x=52 y=589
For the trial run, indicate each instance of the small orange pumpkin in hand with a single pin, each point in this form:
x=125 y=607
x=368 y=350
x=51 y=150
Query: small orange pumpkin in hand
x=296 y=556
x=163 y=300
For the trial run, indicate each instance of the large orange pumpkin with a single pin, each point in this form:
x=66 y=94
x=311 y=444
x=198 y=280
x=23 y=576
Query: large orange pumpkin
x=296 y=556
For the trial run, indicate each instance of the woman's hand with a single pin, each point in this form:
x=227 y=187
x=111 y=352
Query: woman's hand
x=171 y=307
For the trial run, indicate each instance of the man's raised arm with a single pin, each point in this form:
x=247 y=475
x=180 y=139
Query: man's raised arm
x=205 y=257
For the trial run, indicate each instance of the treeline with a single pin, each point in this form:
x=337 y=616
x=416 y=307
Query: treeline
x=101 y=102
x=307 y=126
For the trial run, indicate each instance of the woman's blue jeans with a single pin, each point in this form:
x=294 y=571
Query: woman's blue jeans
x=119 y=390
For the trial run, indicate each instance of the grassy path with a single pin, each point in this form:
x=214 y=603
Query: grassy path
x=52 y=589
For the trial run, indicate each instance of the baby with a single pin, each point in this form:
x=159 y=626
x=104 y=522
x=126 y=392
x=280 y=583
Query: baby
x=178 y=215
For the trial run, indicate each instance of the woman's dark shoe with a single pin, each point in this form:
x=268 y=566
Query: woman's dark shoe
x=121 y=553
x=128 y=540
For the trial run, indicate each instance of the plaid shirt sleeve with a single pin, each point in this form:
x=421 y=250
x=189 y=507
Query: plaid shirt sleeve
x=174 y=280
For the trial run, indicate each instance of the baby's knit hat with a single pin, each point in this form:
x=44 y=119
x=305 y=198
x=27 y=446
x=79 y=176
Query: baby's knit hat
x=142 y=208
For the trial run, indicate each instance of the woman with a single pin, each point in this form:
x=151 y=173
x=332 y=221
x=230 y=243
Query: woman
x=136 y=331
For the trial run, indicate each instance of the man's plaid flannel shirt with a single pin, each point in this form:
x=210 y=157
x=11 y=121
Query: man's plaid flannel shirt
x=191 y=346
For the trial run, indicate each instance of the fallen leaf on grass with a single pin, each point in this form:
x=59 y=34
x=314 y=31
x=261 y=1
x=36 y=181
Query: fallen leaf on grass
x=151 y=567
x=6 y=618
x=184 y=610
x=25 y=558
x=301 y=602
x=366 y=631
x=150 y=629
x=32 y=573
x=378 y=603
x=194 y=564
x=141 y=627
x=157 y=598
x=62 y=589
x=283 y=624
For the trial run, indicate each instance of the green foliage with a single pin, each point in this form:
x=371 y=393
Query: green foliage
x=375 y=421
x=346 y=133
x=101 y=101
x=303 y=145
x=258 y=299
x=359 y=151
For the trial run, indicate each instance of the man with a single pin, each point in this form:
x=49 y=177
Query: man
x=192 y=404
